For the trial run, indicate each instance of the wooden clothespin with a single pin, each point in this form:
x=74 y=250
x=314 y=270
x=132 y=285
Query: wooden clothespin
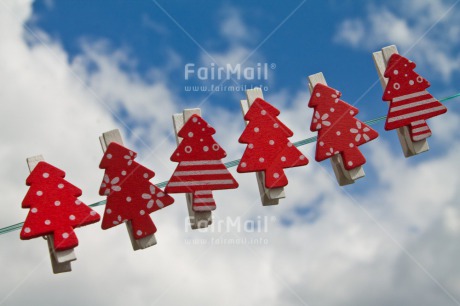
x=416 y=104
x=200 y=169
x=131 y=196
x=269 y=196
x=197 y=219
x=54 y=211
x=339 y=132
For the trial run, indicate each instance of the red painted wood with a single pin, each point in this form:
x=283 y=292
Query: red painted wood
x=410 y=103
x=269 y=148
x=130 y=195
x=54 y=207
x=200 y=168
x=339 y=132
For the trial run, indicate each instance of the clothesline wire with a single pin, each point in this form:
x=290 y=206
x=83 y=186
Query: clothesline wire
x=229 y=164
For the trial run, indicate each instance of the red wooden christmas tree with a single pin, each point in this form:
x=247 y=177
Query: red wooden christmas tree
x=54 y=207
x=410 y=103
x=130 y=195
x=338 y=129
x=200 y=169
x=269 y=148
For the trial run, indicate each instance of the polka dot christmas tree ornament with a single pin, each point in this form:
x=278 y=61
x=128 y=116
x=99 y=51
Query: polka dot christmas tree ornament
x=410 y=103
x=54 y=207
x=268 y=146
x=200 y=169
x=339 y=132
x=130 y=195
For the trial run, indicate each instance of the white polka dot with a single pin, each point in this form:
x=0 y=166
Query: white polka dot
x=128 y=199
x=336 y=100
x=256 y=129
x=188 y=149
x=109 y=156
x=276 y=125
x=65 y=235
x=215 y=147
x=276 y=175
x=123 y=172
x=72 y=217
x=396 y=86
x=139 y=232
x=46 y=175
x=302 y=157
x=338 y=133
x=263 y=112
x=332 y=109
x=318 y=94
x=146 y=175
x=27 y=230
x=289 y=144
x=195 y=119
x=203 y=129
x=411 y=82
x=190 y=134
x=78 y=202
x=395 y=72
x=142 y=212
x=352 y=113
x=39 y=193
x=34 y=210
x=108 y=211
x=57 y=203
x=206 y=148
x=350 y=163
x=47 y=222
x=321 y=143
x=93 y=213
x=201 y=139
x=419 y=79
x=271 y=142
x=261 y=159
x=251 y=146
x=405 y=75
x=60 y=186
x=351 y=145
x=243 y=165
x=283 y=158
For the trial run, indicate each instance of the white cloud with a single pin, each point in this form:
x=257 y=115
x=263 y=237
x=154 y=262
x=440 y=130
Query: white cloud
x=428 y=30
x=343 y=257
x=232 y=26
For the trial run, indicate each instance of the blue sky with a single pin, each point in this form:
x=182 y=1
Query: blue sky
x=304 y=44
x=75 y=69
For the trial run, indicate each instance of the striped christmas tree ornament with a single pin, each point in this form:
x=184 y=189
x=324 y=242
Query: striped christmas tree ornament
x=410 y=103
x=200 y=169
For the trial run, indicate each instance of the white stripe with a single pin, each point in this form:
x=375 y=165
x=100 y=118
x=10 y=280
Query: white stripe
x=200 y=183
x=424 y=128
x=415 y=114
x=418 y=122
x=413 y=104
x=200 y=162
x=200 y=172
x=204 y=208
x=203 y=200
x=423 y=136
x=410 y=96
x=203 y=192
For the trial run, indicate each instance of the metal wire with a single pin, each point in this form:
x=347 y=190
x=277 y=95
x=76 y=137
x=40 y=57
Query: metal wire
x=229 y=164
